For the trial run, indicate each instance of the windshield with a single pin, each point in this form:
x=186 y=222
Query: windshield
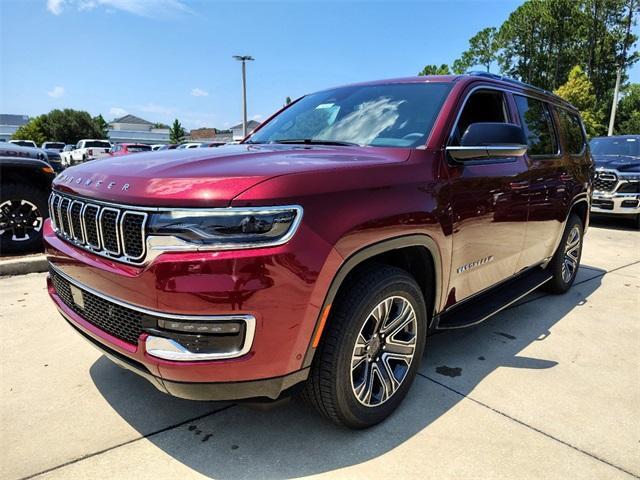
x=393 y=115
x=53 y=145
x=138 y=148
x=97 y=144
x=616 y=146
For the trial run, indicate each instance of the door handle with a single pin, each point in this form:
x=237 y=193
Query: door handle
x=519 y=185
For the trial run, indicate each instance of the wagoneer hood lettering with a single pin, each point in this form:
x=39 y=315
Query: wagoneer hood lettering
x=208 y=177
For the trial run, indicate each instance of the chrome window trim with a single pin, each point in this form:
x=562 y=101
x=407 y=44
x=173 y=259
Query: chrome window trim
x=145 y=217
x=117 y=231
x=249 y=320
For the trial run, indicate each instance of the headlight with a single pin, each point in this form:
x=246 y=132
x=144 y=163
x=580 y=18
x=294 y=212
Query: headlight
x=227 y=228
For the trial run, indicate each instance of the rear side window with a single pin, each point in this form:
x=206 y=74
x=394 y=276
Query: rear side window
x=538 y=126
x=572 y=127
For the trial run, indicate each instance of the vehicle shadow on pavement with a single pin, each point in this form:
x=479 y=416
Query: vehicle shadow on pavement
x=292 y=440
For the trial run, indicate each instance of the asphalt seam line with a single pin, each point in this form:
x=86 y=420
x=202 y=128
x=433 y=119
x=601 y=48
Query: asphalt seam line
x=128 y=442
x=520 y=422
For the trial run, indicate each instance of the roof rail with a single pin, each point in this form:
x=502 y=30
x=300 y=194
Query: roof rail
x=495 y=76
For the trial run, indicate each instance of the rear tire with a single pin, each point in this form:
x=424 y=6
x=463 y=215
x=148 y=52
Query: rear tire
x=566 y=261
x=23 y=209
x=371 y=348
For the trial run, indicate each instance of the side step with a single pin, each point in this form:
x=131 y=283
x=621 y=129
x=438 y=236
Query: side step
x=484 y=305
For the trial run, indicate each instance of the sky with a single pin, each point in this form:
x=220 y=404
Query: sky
x=167 y=59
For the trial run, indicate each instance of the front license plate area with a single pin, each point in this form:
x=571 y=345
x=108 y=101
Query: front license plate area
x=76 y=294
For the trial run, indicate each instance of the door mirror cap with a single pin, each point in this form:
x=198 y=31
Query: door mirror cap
x=490 y=140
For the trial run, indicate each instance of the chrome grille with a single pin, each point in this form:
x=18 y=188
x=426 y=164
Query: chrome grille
x=110 y=231
x=605 y=181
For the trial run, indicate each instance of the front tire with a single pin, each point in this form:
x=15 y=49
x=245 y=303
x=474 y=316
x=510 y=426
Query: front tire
x=566 y=261
x=23 y=209
x=371 y=350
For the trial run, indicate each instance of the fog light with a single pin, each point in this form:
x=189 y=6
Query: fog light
x=200 y=327
x=189 y=340
x=629 y=203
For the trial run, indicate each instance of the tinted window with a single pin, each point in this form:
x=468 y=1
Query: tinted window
x=97 y=144
x=395 y=115
x=481 y=106
x=574 y=137
x=538 y=126
x=616 y=146
x=139 y=148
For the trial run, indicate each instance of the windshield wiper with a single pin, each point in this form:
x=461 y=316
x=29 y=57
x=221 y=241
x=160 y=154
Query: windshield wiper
x=311 y=141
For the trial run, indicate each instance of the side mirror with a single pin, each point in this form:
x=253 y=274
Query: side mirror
x=490 y=140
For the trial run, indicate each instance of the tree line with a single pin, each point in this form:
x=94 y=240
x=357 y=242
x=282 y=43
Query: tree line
x=572 y=47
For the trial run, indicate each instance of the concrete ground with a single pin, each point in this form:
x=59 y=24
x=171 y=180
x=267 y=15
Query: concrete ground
x=549 y=388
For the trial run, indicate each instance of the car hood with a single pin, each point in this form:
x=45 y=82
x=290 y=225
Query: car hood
x=622 y=163
x=208 y=176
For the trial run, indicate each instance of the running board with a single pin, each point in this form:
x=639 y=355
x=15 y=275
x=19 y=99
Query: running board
x=482 y=306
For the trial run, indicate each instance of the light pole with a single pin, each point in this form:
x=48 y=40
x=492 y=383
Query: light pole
x=244 y=59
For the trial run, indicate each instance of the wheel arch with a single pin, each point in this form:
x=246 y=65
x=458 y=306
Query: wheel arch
x=418 y=254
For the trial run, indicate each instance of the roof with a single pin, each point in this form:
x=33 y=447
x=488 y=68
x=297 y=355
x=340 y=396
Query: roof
x=13 y=120
x=466 y=77
x=132 y=119
x=251 y=124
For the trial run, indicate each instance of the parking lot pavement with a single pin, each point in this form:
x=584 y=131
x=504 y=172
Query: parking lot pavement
x=549 y=388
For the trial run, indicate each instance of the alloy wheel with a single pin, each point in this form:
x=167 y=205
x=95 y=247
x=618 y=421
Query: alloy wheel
x=384 y=351
x=20 y=219
x=571 y=254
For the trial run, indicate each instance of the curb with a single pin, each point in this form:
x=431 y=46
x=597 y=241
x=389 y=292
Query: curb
x=22 y=265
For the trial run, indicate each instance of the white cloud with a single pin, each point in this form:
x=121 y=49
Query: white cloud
x=55 y=6
x=57 y=92
x=143 y=8
x=198 y=92
x=257 y=117
x=117 y=112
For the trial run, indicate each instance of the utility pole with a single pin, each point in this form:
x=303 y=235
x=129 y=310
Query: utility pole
x=632 y=5
x=244 y=59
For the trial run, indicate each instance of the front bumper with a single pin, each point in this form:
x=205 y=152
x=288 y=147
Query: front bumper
x=277 y=286
x=615 y=203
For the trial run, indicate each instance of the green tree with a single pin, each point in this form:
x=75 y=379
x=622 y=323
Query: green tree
x=461 y=65
x=483 y=49
x=176 y=132
x=435 y=70
x=34 y=130
x=578 y=90
x=160 y=125
x=68 y=126
x=102 y=126
x=628 y=117
x=287 y=101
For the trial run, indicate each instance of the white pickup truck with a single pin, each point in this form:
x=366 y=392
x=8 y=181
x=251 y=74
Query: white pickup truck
x=89 y=150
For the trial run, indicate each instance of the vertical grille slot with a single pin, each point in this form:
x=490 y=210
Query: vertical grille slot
x=108 y=221
x=54 y=200
x=90 y=220
x=132 y=234
x=76 y=221
x=63 y=213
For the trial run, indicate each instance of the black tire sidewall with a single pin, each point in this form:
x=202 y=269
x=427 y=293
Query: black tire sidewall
x=351 y=411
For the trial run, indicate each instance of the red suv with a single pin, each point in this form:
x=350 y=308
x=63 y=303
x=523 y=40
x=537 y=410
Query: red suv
x=317 y=255
x=128 y=148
